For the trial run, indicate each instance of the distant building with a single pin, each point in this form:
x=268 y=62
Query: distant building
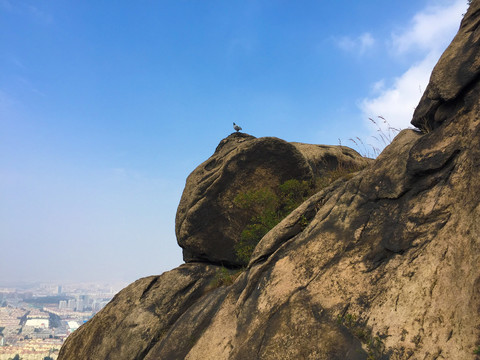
x=72 y=325
x=38 y=323
x=80 y=305
x=62 y=304
x=72 y=304
x=98 y=305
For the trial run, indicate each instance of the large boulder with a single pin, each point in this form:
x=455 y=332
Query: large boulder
x=387 y=266
x=208 y=224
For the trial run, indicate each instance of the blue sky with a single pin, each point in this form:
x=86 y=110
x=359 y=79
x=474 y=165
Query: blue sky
x=106 y=107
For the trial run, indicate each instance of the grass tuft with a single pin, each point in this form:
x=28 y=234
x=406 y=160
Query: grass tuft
x=385 y=135
x=224 y=277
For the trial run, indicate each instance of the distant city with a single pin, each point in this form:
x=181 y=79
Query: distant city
x=35 y=319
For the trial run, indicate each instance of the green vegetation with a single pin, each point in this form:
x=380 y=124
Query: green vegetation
x=375 y=346
x=477 y=351
x=224 y=277
x=267 y=207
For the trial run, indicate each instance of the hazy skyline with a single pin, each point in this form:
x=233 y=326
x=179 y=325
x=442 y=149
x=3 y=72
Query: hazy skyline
x=105 y=110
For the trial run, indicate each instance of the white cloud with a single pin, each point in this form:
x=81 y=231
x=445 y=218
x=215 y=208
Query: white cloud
x=430 y=29
x=359 y=45
x=378 y=86
x=397 y=102
x=427 y=35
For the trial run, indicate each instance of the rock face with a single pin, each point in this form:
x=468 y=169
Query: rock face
x=387 y=267
x=208 y=224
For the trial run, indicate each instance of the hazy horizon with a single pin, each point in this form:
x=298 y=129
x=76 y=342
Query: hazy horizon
x=105 y=110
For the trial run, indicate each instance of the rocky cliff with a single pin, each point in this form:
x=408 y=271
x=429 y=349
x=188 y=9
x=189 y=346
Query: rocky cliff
x=384 y=266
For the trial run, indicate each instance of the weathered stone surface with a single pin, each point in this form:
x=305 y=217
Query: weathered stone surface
x=386 y=268
x=208 y=224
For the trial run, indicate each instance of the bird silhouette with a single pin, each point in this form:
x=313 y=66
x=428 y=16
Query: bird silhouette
x=236 y=127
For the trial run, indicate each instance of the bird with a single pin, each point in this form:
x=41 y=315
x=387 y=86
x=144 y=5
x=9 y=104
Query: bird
x=236 y=127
